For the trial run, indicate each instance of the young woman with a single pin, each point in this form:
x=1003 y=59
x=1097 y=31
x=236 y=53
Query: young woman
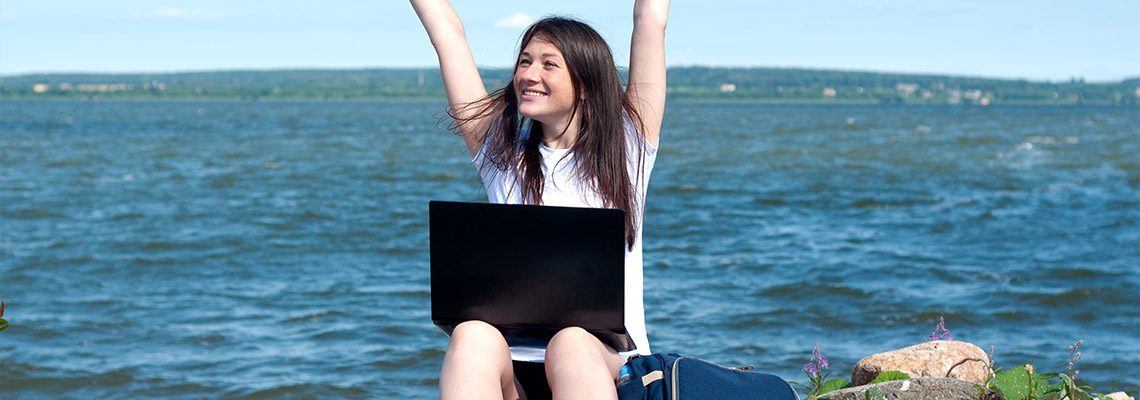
x=563 y=132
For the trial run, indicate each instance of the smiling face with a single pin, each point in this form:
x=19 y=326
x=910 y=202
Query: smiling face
x=543 y=85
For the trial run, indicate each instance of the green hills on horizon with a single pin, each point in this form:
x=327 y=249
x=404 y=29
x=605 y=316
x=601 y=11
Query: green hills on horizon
x=775 y=85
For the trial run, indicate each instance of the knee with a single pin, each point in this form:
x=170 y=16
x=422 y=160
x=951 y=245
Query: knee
x=477 y=334
x=569 y=342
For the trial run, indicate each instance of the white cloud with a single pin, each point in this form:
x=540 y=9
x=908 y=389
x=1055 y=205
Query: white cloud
x=181 y=13
x=515 y=21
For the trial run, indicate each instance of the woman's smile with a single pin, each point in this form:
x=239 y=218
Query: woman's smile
x=532 y=94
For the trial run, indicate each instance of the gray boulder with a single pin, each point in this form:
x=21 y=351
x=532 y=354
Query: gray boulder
x=912 y=389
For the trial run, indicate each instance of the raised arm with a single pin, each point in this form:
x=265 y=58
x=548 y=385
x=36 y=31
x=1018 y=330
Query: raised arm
x=461 y=78
x=647 y=65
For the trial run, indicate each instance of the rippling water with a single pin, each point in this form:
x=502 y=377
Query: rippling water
x=242 y=249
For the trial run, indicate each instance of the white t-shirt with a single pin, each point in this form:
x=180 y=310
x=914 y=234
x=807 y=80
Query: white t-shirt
x=562 y=188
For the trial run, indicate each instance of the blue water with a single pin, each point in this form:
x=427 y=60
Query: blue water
x=206 y=249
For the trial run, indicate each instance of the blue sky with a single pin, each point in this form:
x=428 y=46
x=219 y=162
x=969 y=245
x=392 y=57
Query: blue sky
x=1043 y=39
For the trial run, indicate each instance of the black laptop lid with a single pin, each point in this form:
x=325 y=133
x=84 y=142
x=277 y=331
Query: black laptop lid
x=529 y=270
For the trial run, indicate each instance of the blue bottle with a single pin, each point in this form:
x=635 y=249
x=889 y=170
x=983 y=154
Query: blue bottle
x=624 y=375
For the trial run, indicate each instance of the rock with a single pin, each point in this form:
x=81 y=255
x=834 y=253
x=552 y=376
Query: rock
x=912 y=389
x=927 y=360
x=1120 y=396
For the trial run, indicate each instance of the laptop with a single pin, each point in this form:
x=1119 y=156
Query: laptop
x=529 y=270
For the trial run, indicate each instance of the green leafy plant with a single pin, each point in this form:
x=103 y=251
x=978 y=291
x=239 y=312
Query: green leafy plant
x=873 y=394
x=3 y=322
x=1067 y=387
x=832 y=385
x=887 y=376
x=986 y=389
x=1021 y=383
x=1024 y=383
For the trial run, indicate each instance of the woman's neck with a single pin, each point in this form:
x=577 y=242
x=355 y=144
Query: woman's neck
x=561 y=134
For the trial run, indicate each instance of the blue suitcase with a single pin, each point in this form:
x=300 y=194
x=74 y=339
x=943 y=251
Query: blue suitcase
x=675 y=377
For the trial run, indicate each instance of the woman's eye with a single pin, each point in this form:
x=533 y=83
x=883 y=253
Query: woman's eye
x=524 y=62
x=551 y=64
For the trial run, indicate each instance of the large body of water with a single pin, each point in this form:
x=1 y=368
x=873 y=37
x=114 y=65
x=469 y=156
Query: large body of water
x=210 y=249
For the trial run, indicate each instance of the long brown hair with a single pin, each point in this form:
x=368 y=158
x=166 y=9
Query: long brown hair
x=600 y=150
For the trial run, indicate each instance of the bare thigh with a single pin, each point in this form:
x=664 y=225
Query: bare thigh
x=478 y=364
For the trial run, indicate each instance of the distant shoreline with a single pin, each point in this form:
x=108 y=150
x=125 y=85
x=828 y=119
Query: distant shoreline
x=743 y=85
x=442 y=101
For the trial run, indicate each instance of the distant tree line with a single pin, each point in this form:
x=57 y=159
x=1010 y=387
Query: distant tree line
x=701 y=83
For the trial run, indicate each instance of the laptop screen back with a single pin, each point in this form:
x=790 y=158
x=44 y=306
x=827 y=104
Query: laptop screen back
x=529 y=270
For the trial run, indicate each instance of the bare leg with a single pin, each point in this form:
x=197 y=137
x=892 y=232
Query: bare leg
x=477 y=365
x=579 y=366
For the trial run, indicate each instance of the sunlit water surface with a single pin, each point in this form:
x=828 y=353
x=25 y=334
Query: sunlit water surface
x=226 y=249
